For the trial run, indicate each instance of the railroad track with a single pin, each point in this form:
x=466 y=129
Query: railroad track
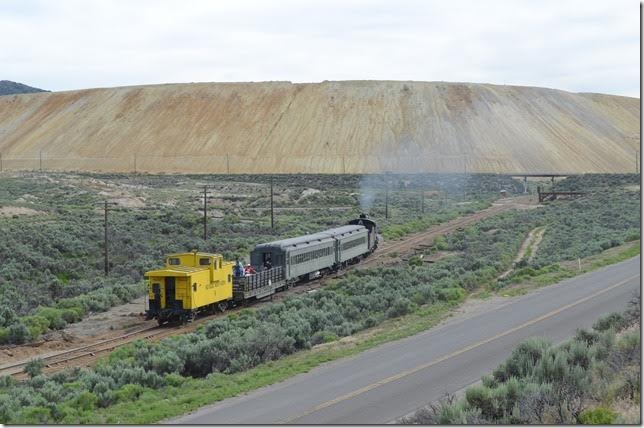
x=415 y=241
x=64 y=357
x=87 y=354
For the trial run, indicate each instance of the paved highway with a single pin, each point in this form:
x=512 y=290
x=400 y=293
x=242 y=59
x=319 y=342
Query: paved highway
x=392 y=380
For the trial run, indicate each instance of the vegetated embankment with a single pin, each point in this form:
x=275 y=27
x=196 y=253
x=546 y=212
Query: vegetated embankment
x=328 y=127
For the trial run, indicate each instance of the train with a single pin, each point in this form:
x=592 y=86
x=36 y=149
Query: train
x=194 y=283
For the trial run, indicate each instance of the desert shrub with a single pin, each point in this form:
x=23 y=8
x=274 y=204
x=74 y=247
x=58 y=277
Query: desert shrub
x=6 y=381
x=86 y=401
x=399 y=307
x=165 y=362
x=545 y=384
x=613 y=320
x=53 y=316
x=104 y=394
x=453 y=294
x=323 y=337
x=34 y=367
x=34 y=416
x=18 y=333
x=415 y=261
x=7 y=316
x=597 y=416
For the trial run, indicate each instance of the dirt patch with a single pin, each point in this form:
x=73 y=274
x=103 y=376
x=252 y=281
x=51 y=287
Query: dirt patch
x=474 y=306
x=123 y=199
x=124 y=317
x=115 y=322
x=536 y=240
x=18 y=211
x=531 y=242
x=309 y=192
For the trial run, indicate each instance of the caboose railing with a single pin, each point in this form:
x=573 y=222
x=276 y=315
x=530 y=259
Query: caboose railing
x=258 y=284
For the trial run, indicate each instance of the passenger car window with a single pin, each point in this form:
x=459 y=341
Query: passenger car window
x=204 y=261
x=174 y=261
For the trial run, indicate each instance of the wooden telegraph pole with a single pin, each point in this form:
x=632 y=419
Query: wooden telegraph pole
x=106 y=264
x=637 y=167
x=386 y=195
x=422 y=200
x=40 y=157
x=205 y=212
x=272 y=217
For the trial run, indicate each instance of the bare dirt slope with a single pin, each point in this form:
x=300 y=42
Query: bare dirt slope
x=328 y=127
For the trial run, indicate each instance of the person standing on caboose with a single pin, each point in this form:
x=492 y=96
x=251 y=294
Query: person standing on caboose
x=238 y=271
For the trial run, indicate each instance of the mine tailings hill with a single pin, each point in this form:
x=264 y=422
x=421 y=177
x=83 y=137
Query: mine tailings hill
x=328 y=127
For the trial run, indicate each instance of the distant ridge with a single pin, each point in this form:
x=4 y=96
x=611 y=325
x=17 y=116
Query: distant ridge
x=327 y=127
x=7 y=87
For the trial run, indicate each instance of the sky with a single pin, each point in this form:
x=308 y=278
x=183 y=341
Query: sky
x=578 y=46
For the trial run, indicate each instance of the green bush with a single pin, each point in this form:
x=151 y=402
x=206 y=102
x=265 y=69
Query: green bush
x=454 y=294
x=86 y=401
x=545 y=384
x=400 y=306
x=19 y=333
x=613 y=320
x=54 y=317
x=323 y=337
x=34 y=367
x=440 y=243
x=7 y=316
x=128 y=393
x=597 y=416
x=36 y=325
x=35 y=416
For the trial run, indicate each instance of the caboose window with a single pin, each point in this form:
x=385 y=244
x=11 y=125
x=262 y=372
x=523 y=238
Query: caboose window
x=174 y=261
x=204 y=261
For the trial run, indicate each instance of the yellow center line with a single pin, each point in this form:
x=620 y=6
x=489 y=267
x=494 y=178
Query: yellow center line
x=455 y=353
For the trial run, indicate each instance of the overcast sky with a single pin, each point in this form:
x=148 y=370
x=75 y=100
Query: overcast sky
x=579 y=46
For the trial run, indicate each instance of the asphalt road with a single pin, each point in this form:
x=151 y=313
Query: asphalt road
x=392 y=380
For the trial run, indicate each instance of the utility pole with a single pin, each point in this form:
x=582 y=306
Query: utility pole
x=637 y=157
x=422 y=200
x=386 y=195
x=272 y=217
x=135 y=163
x=40 y=153
x=105 y=244
x=227 y=164
x=344 y=169
x=106 y=263
x=205 y=212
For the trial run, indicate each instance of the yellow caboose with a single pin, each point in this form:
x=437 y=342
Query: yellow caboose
x=189 y=283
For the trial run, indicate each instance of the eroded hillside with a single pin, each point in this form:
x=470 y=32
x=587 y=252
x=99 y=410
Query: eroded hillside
x=329 y=127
